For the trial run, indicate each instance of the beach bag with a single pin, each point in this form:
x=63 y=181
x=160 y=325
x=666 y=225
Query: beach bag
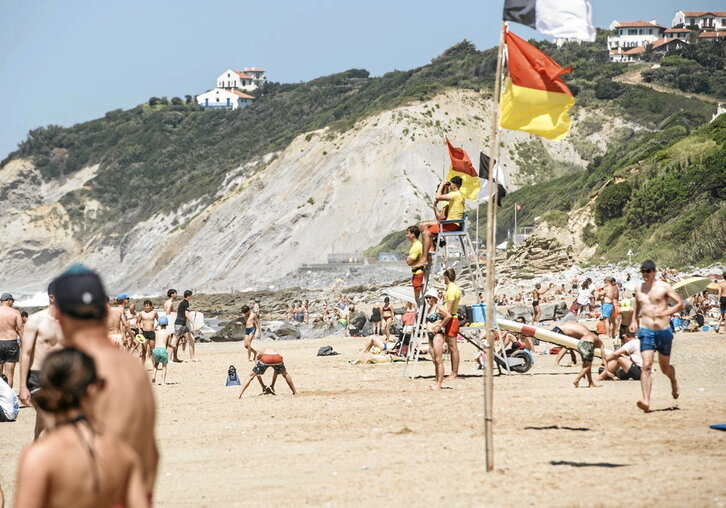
x=232 y=379
x=327 y=351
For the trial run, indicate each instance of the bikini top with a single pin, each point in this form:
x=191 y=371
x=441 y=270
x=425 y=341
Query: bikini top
x=433 y=317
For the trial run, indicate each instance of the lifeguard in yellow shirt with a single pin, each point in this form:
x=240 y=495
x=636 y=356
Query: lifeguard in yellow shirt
x=414 y=256
x=455 y=212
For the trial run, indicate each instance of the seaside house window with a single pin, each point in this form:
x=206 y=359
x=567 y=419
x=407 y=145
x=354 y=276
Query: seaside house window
x=650 y=31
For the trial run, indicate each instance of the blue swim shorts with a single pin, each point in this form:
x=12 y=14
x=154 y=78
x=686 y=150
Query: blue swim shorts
x=607 y=310
x=660 y=340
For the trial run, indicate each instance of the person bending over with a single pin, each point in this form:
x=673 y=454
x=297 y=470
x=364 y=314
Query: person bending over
x=587 y=344
x=268 y=358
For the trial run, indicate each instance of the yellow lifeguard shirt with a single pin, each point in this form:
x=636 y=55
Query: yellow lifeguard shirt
x=456 y=206
x=453 y=293
x=416 y=250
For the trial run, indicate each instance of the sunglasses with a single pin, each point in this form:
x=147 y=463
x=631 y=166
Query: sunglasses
x=646 y=270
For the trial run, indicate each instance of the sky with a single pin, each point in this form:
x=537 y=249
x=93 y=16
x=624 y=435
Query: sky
x=64 y=62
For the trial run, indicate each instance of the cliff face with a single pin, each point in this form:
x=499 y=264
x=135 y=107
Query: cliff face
x=326 y=190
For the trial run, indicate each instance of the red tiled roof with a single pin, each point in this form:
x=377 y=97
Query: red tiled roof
x=254 y=69
x=243 y=95
x=711 y=35
x=677 y=30
x=243 y=75
x=698 y=14
x=655 y=44
x=633 y=24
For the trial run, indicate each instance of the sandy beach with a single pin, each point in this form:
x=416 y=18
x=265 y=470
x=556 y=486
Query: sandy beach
x=366 y=435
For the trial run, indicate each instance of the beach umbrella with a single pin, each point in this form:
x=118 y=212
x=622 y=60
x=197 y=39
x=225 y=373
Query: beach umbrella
x=714 y=276
x=690 y=286
x=712 y=287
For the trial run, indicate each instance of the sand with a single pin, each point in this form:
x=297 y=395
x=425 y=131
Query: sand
x=365 y=435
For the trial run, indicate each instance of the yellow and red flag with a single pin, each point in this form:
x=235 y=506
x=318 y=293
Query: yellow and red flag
x=535 y=98
x=461 y=166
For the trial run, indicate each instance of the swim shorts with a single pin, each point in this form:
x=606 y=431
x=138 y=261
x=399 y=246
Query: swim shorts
x=417 y=280
x=633 y=373
x=535 y=303
x=33 y=381
x=160 y=355
x=722 y=301
x=452 y=327
x=607 y=310
x=434 y=230
x=251 y=330
x=586 y=349
x=9 y=351
x=149 y=335
x=659 y=340
x=260 y=368
x=180 y=330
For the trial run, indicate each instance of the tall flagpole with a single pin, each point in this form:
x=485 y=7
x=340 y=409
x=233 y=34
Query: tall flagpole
x=491 y=253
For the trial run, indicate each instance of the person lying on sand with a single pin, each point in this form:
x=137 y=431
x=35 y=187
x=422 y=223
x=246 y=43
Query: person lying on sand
x=268 y=358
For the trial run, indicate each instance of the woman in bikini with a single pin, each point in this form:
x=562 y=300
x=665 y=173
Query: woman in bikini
x=387 y=318
x=437 y=316
x=75 y=464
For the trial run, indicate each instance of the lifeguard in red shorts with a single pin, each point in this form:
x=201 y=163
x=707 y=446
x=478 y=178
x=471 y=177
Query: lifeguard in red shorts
x=455 y=212
x=451 y=331
x=414 y=256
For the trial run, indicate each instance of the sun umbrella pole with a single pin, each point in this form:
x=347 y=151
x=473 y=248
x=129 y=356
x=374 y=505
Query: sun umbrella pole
x=491 y=245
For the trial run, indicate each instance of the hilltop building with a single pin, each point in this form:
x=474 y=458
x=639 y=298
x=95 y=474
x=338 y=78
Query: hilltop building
x=659 y=47
x=703 y=20
x=631 y=34
x=231 y=87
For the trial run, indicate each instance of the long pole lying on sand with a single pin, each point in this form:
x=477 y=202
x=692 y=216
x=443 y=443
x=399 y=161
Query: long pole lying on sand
x=491 y=245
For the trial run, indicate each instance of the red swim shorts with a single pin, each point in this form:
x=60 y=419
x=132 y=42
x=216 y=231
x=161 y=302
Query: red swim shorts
x=434 y=230
x=417 y=280
x=452 y=327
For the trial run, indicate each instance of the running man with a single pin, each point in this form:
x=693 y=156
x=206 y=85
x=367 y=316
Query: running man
x=41 y=336
x=181 y=325
x=610 y=296
x=11 y=328
x=252 y=330
x=413 y=259
x=125 y=407
x=147 y=320
x=537 y=295
x=587 y=344
x=651 y=320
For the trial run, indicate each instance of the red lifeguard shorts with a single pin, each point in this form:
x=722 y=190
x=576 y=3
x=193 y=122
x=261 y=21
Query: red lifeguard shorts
x=434 y=230
x=452 y=327
x=417 y=280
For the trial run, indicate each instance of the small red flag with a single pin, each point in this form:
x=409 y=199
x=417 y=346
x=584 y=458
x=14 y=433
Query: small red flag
x=518 y=206
x=460 y=161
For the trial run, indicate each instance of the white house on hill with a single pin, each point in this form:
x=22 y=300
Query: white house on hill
x=631 y=34
x=248 y=79
x=702 y=19
x=226 y=99
x=660 y=47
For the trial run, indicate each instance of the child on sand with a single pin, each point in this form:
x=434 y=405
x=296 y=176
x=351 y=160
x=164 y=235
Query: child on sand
x=268 y=358
x=75 y=464
x=159 y=354
x=252 y=329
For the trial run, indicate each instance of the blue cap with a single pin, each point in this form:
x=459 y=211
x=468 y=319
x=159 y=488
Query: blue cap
x=163 y=321
x=121 y=297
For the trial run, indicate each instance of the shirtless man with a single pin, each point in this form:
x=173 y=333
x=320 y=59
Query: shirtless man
x=653 y=328
x=147 y=322
x=587 y=344
x=117 y=326
x=11 y=327
x=252 y=330
x=42 y=335
x=722 y=303
x=609 y=295
x=168 y=311
x=125 y=407
x=537 y=295
x=181 y=325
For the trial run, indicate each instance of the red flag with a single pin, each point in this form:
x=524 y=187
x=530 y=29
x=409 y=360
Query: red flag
x=517 y=206
x=460 y=161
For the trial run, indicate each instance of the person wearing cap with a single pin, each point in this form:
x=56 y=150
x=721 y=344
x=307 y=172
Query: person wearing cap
x=455 y=212
x=160 y=353
x=41 y=336
x=651 y=321
x=11 y=328
x=126 y=406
